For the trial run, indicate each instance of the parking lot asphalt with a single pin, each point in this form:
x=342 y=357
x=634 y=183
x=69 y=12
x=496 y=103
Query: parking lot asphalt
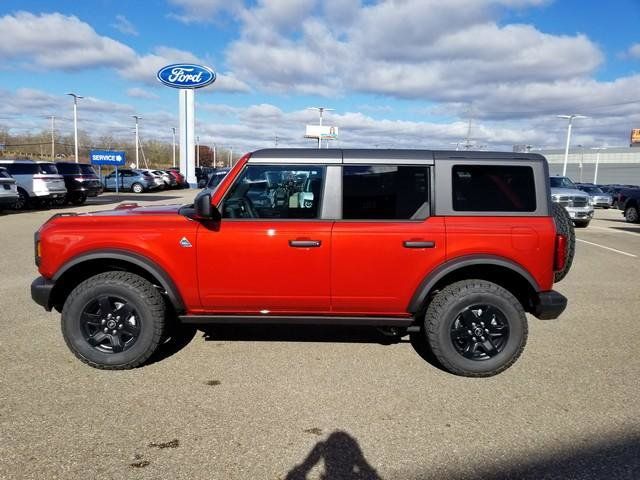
x=294 y=402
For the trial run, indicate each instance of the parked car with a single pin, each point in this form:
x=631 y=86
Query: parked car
x=157 y=177
x=136 y=181
x=81 y=182
x=629 y=203
x=369 y=247
x=8 y=190
x=181 y=180
x=202 y=175
x=214 y=180
x=168 y=179
x=598 y=197
x=577 y=203
x=38 y=183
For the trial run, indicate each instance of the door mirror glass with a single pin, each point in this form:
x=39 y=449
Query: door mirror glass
x=204 y=210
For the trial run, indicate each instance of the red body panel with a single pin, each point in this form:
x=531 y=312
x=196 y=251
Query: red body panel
x=371 y=270
x=527 y=241
x=248 y=266
x=152 y=232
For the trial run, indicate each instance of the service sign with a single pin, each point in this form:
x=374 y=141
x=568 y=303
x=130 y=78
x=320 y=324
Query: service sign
x=107 y=157
x=186 y=75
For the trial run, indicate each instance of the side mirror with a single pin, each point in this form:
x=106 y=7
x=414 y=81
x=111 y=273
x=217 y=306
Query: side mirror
x=204 y=210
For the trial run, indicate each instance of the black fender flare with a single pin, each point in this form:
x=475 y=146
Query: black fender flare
x=450 y=266
x=135 y=258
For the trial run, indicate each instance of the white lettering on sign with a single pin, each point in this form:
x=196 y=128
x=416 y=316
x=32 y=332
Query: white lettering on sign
x=181 y=75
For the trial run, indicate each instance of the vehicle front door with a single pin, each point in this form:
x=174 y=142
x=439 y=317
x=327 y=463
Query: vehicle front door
x=270 y=253
x=386 y=242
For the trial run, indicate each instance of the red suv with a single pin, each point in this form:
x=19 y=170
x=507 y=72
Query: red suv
x=454 y=247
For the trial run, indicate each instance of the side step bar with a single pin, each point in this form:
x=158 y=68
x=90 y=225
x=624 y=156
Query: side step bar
x=296 y=320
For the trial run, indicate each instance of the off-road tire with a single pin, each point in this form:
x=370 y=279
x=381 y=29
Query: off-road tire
x=137 y=188
x=631 y=215
x=564 y=226
x=144 y=298
x=447 y=305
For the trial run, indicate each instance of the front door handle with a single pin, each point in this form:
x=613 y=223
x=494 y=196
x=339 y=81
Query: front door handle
x=305 y=243
x=419 y=244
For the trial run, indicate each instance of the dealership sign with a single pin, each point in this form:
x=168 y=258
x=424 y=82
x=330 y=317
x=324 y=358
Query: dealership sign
x=107 y=157
x=325 y=132
x=186 y=75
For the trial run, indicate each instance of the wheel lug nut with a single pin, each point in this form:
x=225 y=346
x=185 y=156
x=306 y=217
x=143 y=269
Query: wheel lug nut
x=473 y=324
x=103 y=321
x=482 y=323
x=120 y=326
x=469 y=332
x=486 y=330
x=473 y=338
x=118 y=317
x=114 y=332
x=106 y=330
x=482 y=338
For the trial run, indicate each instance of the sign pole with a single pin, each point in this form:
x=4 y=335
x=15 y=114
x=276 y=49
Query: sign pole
x=187 y=137
x=117 y=181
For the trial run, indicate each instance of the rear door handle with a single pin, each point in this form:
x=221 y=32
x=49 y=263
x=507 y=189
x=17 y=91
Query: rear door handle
x=418 y=244
x=305 y=243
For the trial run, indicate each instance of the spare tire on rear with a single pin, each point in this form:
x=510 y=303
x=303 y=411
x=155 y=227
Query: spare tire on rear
x=564 y=226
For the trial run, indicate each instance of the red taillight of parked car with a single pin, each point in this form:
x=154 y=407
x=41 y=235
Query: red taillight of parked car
x=560 y=257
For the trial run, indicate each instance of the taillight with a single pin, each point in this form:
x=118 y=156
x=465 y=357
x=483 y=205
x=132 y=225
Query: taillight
x=560 y=258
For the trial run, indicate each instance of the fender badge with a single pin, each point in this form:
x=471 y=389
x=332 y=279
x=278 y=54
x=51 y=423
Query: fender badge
x=185 y=243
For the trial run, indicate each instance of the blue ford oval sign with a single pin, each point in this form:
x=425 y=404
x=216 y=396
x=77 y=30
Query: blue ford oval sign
x=186 y=75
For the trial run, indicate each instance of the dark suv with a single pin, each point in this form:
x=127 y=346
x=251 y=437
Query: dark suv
x=81 y=182
x=452 y=247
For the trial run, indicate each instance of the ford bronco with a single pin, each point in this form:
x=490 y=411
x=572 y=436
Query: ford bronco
x=452 y=247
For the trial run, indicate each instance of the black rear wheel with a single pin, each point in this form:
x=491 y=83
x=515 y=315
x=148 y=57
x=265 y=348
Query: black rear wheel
x=475 y=328
x=22 y=201
x=631 y=215
x=114 y=320
x=79 y=199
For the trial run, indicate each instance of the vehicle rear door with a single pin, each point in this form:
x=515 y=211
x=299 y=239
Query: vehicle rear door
x=386 y=241
x=270 y=253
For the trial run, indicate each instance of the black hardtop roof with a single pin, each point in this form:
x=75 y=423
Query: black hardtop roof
x=399 y=154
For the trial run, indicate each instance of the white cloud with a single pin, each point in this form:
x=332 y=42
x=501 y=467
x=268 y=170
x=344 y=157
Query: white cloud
x=634 y=51
x=137 y=92
x=59 y=41
x=123 y=25
x=200 y=11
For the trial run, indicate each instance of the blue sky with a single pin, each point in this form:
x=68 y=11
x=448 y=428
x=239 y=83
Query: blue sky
x=407 y=73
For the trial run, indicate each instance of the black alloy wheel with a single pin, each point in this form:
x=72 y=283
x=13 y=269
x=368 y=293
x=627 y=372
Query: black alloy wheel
x=480 y=332
x=110 y=324
x=22 y=200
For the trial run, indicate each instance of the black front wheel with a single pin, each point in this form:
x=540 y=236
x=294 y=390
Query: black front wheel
x=475 y=328
x=114 y=320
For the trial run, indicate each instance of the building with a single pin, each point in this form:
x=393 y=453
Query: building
x=615 y=164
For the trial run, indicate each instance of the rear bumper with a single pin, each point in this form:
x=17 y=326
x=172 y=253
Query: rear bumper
x=549 y=305
x=8 y=200
x=41 y=292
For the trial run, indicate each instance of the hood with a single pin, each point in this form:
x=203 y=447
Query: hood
x=128 y=209
x=574 y=192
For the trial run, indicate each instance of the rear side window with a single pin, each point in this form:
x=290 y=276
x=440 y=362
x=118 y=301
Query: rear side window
x=48 y=168
x=385 y=192
x=4 y=173
x=87 y=170
x=22 y=168
x=493 y=188
x=68 y=168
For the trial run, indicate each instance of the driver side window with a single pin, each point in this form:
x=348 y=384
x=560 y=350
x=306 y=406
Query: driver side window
x=276 y=191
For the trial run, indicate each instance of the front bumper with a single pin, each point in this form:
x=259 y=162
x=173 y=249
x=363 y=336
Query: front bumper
x=41 y=292
x=549 y=305
x=580 y=213
x=8 y=200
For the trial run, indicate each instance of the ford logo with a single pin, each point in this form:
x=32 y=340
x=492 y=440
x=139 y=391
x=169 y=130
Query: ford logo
x=186 y=75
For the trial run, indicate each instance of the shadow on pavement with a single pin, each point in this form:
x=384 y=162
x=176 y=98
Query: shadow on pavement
x=627 y=229
x=616 y=457
x=342 y=459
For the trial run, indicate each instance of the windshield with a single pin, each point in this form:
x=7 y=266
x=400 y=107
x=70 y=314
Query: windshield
x=562 y=182
x=216 y=178
x=48 y=168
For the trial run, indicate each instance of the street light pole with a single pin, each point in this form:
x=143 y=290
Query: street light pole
x=137 y=140
x=214 y=155
x=75 y=121
x=53 y=138
x=173 y=129
x=595 y=173
x=231 y=156
x=321 y=110
x=566 y=150
x=197 y=151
